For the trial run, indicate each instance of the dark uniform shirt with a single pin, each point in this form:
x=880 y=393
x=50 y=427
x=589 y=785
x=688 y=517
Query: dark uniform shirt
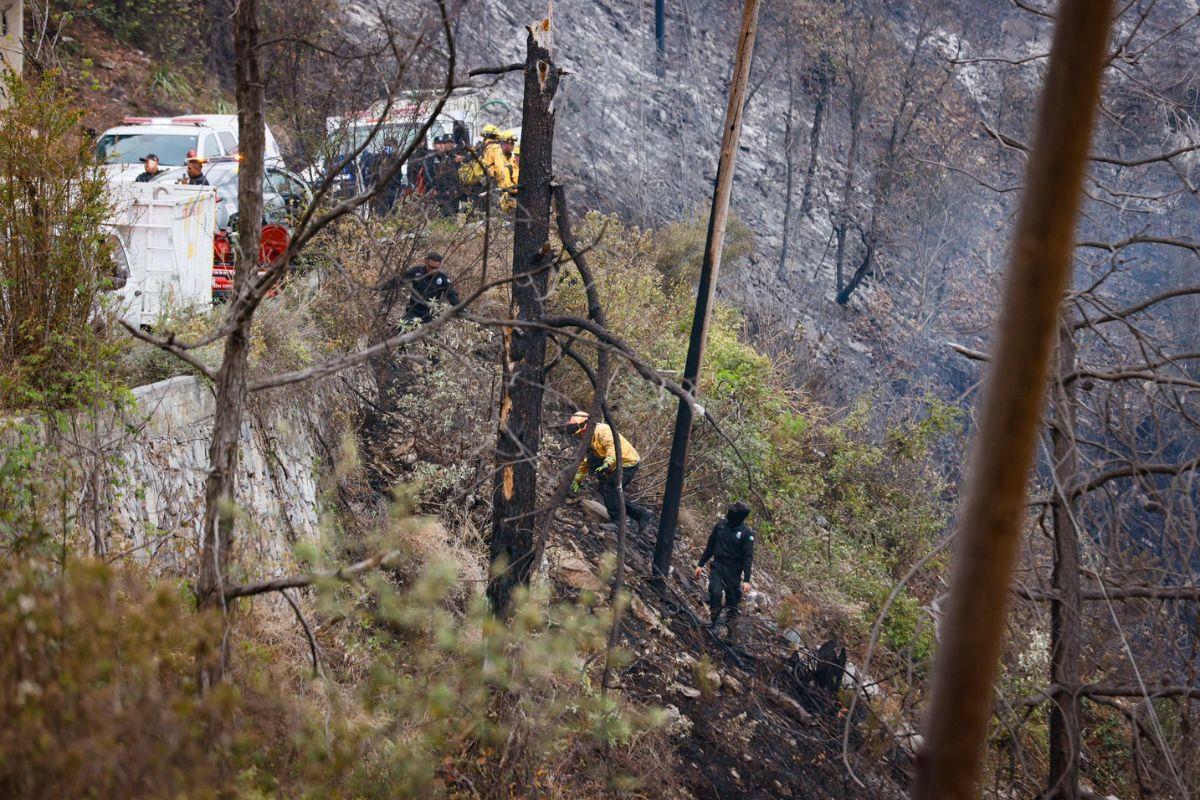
x=443 y=175
x=427 y=288
x=146 y=177
x=731 y=547
x=194 y=180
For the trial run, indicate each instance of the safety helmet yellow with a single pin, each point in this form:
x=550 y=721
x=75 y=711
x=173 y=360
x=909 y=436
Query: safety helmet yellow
x=490 y=131
x=507 y=136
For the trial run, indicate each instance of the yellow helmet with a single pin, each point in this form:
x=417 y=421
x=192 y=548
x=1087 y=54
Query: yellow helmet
x=490 y=131
x=508 y=136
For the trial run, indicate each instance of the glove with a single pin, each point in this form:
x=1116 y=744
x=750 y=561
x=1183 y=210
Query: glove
x=575 y=486
x=608 y=466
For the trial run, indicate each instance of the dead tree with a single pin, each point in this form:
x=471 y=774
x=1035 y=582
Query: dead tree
x=825 y=76
x=1065 y=730
x=514 y=502
x=993 y=510
x=230 y=381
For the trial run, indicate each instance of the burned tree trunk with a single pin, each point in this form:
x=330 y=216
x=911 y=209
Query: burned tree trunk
x=789 y=182
x=1065 y=608
x=231 y=378
x=825 y=83
x=855 y=102
x=523 y=360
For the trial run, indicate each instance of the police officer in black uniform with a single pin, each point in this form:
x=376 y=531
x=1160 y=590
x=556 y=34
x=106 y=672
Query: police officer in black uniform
x=731 y=548
x=427 y=285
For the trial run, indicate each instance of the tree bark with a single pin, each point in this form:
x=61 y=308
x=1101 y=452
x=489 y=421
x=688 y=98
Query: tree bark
x=1063 y=781
x=994 y=509
x=789 y=183
x=825 y=82
x=855 y=102
x=231 y=379
x=524 y=354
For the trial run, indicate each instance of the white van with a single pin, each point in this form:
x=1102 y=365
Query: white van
x=171 y=138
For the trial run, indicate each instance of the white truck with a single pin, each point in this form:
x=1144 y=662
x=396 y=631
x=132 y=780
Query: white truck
x=121 y=148
x=165 y=241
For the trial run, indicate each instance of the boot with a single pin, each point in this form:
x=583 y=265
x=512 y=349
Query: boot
x=734 y=628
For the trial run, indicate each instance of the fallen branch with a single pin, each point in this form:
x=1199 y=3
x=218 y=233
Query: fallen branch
x=517 y=66
x=345 y=574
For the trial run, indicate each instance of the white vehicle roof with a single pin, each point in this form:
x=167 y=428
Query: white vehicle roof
x=226 y=124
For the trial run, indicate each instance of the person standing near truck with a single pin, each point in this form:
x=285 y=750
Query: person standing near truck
x=195 y=171
x=149 y=167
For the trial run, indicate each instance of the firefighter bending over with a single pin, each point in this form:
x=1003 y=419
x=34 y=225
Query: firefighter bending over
x=601 y=461
x=731 y=548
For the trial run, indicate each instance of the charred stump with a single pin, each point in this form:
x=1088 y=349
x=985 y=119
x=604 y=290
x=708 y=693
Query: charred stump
x=523 y=358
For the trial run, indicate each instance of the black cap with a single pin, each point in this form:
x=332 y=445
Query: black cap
x=433 y=256
x=147 y=157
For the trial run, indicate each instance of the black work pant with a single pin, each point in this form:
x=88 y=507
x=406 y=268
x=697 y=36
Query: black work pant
x=608 y=493
x=725 y=579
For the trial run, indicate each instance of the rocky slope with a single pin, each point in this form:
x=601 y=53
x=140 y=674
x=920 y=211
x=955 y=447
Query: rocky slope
x=642 y=141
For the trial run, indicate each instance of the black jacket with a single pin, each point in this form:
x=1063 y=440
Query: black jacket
x=427 y=287
x=730 y=546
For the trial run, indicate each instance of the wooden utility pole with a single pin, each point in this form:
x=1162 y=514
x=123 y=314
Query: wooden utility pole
x=718 y=217
x=514 y=504
x=994 y=509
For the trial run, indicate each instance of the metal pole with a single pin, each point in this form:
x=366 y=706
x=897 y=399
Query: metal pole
x=718 y=217
x=660 y=27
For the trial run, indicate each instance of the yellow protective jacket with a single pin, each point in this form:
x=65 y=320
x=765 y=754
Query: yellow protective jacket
x=602 y=447
x=474 y=166
x=500 y=168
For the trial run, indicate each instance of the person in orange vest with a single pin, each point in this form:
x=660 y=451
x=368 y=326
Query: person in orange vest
x=601 y=461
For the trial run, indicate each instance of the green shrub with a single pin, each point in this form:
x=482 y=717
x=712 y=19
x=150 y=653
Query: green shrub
x=55 y=256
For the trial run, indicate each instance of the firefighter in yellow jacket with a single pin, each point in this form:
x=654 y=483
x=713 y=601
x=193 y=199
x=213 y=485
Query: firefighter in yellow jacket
x=501 y=166
x=601 y=461
x=472 y=170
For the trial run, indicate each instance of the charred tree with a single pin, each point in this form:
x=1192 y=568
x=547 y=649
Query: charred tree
x=789 y=145
x=824 y=70
x=514 y=505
